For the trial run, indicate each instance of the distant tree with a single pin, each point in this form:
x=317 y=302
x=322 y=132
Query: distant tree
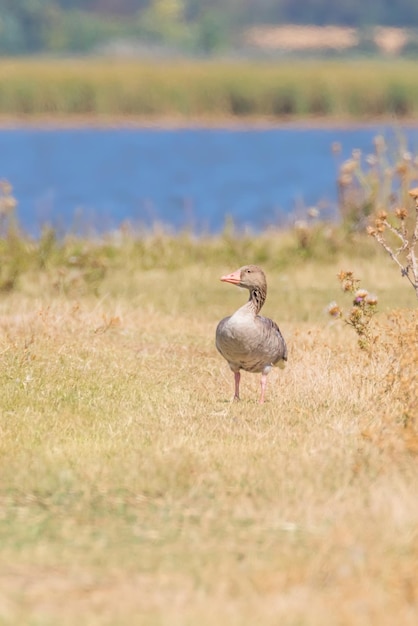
x=163 y=21
x=31 y=26
x=118 y=7
x=80 y=31
x=105 y=7
x=24 y=24
x=244 y=12
x=211 y=32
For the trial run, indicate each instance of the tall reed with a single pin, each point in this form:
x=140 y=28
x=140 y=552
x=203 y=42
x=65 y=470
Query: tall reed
x=105 y=87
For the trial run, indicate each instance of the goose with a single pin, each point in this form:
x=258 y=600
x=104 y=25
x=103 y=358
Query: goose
x=247 y=340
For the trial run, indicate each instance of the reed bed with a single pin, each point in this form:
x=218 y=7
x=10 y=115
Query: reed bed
x=184 y=90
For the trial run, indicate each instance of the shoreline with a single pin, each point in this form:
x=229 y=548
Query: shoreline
x=73 y=122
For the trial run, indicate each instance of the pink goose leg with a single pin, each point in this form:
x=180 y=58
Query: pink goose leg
x=237 y=376
x=263 y=387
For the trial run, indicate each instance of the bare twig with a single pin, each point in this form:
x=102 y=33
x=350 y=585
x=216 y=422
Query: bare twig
x=408 y=241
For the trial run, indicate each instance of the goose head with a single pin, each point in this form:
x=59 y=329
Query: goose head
x=249 y=277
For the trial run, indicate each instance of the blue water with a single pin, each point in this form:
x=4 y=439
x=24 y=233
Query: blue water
x=98 y=178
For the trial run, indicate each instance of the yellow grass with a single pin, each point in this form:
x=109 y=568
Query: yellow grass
x=133 y=491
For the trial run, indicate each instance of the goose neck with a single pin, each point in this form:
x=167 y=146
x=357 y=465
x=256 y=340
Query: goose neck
x=257 y=299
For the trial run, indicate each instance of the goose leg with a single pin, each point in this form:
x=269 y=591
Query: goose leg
x=237 y=376
x=263 y=387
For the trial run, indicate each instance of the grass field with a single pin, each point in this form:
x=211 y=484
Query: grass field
x=133 y=491
x=182 y=91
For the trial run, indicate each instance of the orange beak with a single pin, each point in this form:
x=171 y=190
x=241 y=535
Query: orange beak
x=234 y=278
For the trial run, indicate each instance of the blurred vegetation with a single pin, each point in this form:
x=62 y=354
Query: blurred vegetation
x=379 y=181
x=208 y=89
x=193 y=26
x=378 y=193
x=77 y=265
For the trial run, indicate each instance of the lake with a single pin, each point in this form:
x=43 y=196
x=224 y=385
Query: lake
x=88 y=178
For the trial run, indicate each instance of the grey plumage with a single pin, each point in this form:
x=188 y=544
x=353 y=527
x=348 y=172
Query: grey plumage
x=246 y=339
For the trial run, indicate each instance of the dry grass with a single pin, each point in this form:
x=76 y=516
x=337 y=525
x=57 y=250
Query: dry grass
x=134 y=491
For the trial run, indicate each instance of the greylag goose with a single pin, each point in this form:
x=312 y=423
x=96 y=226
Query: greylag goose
x=245 y=339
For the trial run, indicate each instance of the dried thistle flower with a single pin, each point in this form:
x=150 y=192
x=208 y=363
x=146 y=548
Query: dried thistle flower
x=344 y=274
x=362 y=311
x=301 y=225
x=345 y=179
x=313 y=212
x=380 y=225
x=379 y=143
x=334 y=310
x=355 y=315
x=5 y=187
x=401 y=169
x=371 y=299
x=347 y=280
x=360 y=296
x=372 y=160
x=7 y=204
x=401 y=213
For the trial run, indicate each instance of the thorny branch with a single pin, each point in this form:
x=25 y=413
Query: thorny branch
x=409 y=242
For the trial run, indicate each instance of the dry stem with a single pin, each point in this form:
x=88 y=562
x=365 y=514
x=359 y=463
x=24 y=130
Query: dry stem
x=408 y=244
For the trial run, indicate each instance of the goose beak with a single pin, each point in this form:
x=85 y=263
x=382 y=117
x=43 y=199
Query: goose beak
x=234 y=278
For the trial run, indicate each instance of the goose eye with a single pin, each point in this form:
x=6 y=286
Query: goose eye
x=248 y=271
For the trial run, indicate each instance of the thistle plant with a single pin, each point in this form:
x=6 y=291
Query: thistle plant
x=406 y=233
x=7 y=207
x=368 y=182
x=361 y=312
